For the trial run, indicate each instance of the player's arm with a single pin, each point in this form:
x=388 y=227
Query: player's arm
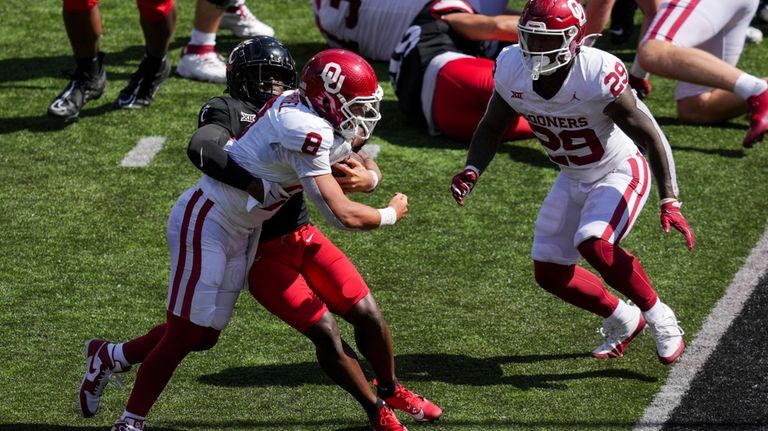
x=484 y=27
x=598 y=14
x=328 y=197
x=483 y=146
x=206 y=152
x=634 y=118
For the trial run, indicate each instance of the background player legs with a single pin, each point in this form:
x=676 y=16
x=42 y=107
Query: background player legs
x=84 y=30
x=200 y=60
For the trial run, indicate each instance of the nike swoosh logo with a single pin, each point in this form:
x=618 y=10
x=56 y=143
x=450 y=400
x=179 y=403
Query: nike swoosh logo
x=93 y=368
x=308 y=240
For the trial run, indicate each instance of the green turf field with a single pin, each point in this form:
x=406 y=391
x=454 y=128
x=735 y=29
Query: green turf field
x=84 y=255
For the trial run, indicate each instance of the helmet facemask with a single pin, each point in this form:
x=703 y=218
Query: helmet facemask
x=262 y=82
x=545 y=51
x=360 y=115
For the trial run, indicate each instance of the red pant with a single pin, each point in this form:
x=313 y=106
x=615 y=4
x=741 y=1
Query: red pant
x=300 y=276
x=462 y=92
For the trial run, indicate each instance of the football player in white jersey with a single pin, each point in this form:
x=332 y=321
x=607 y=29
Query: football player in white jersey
x=213 y=228
x=581 y=109
x=372 y=28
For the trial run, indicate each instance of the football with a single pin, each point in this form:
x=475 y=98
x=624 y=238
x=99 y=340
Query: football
x=338 y=173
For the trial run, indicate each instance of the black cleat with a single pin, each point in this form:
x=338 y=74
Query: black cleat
x=143 y=85
x=83 y=88
x=622 y=21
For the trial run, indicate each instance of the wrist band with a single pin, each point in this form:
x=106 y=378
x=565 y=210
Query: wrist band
x=666 y=201
x=388 y=216
x=374 y=180
x=472 y=168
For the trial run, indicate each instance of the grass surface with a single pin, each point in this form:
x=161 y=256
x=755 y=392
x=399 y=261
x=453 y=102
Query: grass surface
x=84 y=255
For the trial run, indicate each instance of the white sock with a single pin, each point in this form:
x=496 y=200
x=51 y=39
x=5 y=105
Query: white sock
x=118 y=356
x=748 y=85
x=201 y=38
x=622 y=313
x=657 y=312
x=128 y=415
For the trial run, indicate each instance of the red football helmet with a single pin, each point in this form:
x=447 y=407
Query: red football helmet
x=551 y=32
x=342 y=87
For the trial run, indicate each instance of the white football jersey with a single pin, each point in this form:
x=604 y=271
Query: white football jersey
x=287 y=141
x=371 y=28
x=575 y=132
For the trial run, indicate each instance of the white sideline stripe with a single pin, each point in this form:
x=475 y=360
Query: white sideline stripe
x=696 y=355
x=142 y=154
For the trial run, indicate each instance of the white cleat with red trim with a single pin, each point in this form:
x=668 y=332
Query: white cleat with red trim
x=667 y=334
x=619 y=333
x=99 y=367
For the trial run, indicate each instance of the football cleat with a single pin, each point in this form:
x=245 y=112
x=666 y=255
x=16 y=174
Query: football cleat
x=143 y=85
x=81 y=89
x=758 y=118
x=420 y=408
x=244 y=23
x=753 y=35
x=668 y=336
x=385 y=420
x=99 y=368
x=618 y=335
x=128 y=424
x=202 y=63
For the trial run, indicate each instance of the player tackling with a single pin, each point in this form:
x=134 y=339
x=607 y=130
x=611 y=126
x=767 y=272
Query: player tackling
x=580 y=107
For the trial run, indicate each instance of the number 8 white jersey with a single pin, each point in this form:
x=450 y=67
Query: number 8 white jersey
x=575 y=132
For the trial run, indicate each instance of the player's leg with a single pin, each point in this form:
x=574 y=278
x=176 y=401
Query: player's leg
x=207 y=267
x=82 y=20
x=158 y=22
x=462 y=90
x=243 y=23
x=200 y=61
x=700 y=46
x=277 y=283
x=336 y=281
x=556 y=270
x=610 y=210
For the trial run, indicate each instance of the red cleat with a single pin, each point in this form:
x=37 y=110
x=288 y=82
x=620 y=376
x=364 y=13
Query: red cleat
x=420 y=408
x=99 y=367
x=758 y=118
x=385 y=420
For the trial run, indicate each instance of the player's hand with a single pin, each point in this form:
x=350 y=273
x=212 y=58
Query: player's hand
x=400 y=203
x=463 y=183
x=671 y=216
x=266 y=193
x=356 y=177
x=641 y=85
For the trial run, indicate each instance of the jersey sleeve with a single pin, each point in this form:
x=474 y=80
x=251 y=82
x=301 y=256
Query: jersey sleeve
x=609 y=75
x=440 y=8
x=309 y=140
x=215 y=111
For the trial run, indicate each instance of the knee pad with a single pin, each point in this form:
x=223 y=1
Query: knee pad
x=154 y=10
x=79 y=6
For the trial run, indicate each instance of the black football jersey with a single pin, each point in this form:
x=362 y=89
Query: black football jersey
x=426 y=38
x=235 y=115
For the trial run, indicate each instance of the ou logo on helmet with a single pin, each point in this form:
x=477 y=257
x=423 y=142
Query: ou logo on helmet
x=332 y=78
x=577 y=10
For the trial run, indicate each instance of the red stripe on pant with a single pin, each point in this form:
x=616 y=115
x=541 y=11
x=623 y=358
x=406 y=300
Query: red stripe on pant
x=621 y=208
x=197 y=255
x=681 y=19
x=180 y=263
x=633 y=214
x=655 y=30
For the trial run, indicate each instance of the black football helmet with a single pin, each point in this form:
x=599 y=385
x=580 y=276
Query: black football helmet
x=260 y=68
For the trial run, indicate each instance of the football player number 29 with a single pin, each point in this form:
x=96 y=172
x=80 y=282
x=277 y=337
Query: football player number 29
x=312 y=143
x=571 y=140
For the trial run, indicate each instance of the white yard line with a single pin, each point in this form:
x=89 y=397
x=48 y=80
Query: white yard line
x=697 y=353
x=142 y=154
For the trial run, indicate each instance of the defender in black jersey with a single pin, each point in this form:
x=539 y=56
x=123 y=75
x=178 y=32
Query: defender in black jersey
x=309 y=278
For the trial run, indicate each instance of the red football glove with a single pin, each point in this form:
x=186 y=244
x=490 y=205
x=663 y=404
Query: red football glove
x=671 y=216
x=463 y=183
x=641 y=85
